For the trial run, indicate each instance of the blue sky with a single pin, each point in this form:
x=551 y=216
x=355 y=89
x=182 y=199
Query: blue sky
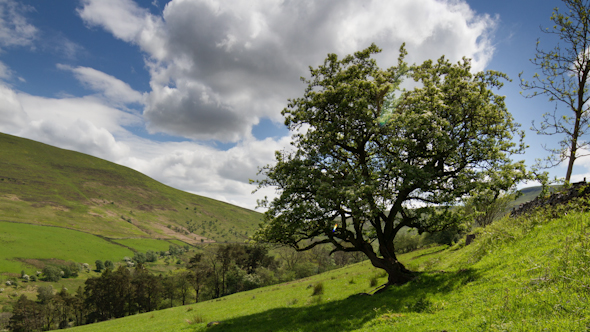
x=190 y=92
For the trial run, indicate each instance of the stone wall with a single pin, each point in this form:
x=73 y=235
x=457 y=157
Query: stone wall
x=578 y=189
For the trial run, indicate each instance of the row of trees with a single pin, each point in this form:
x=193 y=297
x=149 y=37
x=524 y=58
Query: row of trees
x=211 y=274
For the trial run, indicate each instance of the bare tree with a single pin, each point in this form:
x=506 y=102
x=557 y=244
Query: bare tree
x=563 y=78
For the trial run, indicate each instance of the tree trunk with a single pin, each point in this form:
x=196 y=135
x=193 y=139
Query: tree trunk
x=397 y=272
x=573 y=149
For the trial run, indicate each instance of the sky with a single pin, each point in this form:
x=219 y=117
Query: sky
x=190 y=92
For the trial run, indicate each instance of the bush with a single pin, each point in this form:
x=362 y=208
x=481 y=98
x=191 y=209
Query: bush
x=151 y=256
x=139 y=258
x=318 y=289
x=52 y=273
x=304 y=270
x=251 y=281
x=109 y=265
x=44 y=294
x=99 y=265
x=67 y=272
x=267 y=277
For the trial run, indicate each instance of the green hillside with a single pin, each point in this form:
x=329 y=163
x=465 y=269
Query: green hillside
x=525 y=274
x=45 y=185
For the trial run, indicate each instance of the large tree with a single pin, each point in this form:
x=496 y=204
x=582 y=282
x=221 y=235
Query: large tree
x=563 y=78
x=369 y=159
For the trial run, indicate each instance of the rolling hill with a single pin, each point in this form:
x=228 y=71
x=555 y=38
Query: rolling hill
x=44 y=185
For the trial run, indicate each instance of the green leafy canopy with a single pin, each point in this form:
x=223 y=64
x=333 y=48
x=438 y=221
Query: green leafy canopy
x=373 y=158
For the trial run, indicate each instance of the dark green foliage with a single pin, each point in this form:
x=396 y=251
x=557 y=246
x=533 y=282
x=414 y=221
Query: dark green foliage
x=99 y=265
x=174 y=250
x=304 y=269
x=52 y=273
x=26 y=316
x=44 y=294
x=66 y=271
x=75 y=268
x=151 y=256
x=139 y=258
x=109 y=265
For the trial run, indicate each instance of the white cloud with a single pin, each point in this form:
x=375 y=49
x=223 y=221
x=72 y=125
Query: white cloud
x=113 y=89
x=11 y=111
x=202 y=170
x=90 y=126
x=14 y=28
x=217 y=67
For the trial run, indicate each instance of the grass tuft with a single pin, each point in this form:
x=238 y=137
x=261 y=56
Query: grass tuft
x=373 y=281
x=318 y=289
x=196 y=319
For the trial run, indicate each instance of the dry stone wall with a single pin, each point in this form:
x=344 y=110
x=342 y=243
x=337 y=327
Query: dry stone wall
x=578 y=189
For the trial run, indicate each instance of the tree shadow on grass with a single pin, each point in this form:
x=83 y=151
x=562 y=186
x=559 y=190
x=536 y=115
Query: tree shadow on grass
x=353 y=312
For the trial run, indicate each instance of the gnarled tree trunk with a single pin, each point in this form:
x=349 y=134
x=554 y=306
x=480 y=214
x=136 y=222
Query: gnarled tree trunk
x=398 y=274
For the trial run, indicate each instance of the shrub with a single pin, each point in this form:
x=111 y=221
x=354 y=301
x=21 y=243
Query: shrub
x=139 y=258
x=251 y=281
x=303 y=270
x=75 y=268
x=99 y=265
x=318 y=289
x=373 y=281
x=109 y=265
x=52 y=273
x=151 y=256
x=267 y=277
x=67 y=272
x=44 y=294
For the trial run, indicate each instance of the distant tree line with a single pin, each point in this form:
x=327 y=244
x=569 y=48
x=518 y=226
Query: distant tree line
x=127 y=290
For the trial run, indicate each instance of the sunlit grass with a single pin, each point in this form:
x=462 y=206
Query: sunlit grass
x=23 y=241
x=532 y=277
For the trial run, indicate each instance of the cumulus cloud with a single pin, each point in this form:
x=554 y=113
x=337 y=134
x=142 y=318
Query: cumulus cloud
x=113 y=89
x=217 y=67
x=203 y=170
x=88 y=125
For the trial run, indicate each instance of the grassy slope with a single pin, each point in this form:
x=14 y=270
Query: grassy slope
x=527 y=275
x=22 y=241
x=41 y=184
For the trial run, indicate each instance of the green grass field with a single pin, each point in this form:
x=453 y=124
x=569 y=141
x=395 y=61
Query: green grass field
x=34 y=242
x=524 y=275
x=143 y=245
